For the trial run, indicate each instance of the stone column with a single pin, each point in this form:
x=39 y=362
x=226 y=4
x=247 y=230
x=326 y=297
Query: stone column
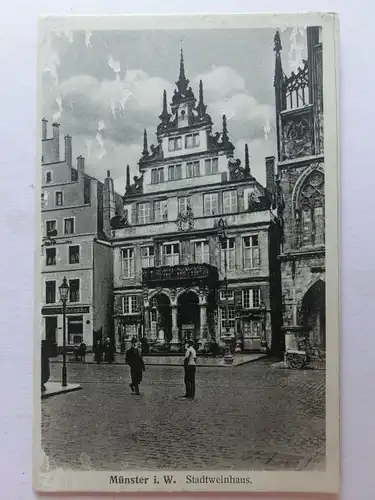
x=203 y=318
x=175 y=342
x=294 y=308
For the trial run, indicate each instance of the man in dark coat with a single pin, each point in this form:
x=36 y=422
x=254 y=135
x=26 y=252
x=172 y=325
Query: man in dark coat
x=134 y=359
x=108 y=351
x=98 y=351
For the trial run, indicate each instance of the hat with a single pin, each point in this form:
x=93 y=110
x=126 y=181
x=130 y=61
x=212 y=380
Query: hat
x=190 y=342
x=134 y=340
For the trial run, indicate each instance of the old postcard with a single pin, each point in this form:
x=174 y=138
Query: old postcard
x=186 y=331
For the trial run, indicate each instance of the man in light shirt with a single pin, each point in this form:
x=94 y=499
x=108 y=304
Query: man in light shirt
x=190 y=366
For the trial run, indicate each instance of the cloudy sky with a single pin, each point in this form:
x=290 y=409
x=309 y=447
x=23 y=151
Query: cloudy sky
x=104 y=88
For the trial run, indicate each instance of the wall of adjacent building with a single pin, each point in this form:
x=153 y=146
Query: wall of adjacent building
x=102 y=298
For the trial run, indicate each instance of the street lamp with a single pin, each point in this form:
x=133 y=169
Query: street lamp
x=223 y=238
x=64 y=294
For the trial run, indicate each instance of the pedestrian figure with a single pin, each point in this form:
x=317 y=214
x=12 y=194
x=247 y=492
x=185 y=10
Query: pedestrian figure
x=76 y=352
x=108 y=351
x=145 y=346
x=134 y=359
x=98 y=352
x=82 y=352
x=214 y=347
x=189 y=370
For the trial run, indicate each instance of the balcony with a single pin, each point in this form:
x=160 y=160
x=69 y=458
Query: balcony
x=181 y=274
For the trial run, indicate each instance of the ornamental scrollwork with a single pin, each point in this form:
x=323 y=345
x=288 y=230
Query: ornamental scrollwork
x=185 y=220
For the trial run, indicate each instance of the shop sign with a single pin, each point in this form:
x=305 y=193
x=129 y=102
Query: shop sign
x=51 y=311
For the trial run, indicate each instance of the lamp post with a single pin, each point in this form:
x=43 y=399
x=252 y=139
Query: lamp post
x=64 y=293
x=263 y=341
x=223 y=238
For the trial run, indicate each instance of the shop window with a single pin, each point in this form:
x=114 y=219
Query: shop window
x=75 y=329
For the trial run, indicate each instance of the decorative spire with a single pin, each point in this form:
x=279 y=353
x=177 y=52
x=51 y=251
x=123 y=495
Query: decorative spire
x=247 y=161
x=279 y=74
x=165 y=116
x=183 y=82
x=225 y=136
x=201 y=108
x=127 y=177
x=145 y=148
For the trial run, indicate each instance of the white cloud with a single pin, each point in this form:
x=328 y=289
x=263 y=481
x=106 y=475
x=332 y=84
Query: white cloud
x=242 y=107
x=136 y=92
x=297 y=48
x=116 y=157
x=221 y=82
x=106 y=118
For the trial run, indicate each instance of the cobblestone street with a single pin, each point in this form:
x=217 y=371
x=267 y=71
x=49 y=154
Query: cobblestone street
x=247 y=417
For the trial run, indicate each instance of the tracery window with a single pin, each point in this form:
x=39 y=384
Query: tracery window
x=310 y=211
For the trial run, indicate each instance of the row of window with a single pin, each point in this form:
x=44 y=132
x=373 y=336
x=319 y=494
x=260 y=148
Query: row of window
x=69 y=226
x=171 y=255
x=191 y=141
x=59 y=199
x=250 y=300
x=48 y=176
x=188 y=170
x=73 y=255
x=225 y=202
x=51 y=291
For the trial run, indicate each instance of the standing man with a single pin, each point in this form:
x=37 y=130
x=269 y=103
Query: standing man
x=189 y=368
x=134 y=359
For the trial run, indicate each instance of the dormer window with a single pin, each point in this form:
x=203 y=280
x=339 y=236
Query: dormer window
x=174 y=143
x=192 y=141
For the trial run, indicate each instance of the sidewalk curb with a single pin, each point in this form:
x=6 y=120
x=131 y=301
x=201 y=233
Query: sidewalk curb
x=244 y=362
x=61 y=391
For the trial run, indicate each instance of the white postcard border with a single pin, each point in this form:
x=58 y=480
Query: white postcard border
x=46 y=479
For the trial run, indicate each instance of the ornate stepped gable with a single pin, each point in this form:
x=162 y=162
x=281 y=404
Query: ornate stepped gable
x=219 y=141
x=196 y=116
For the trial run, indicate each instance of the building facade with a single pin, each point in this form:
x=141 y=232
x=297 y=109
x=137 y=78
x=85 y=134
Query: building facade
x=300 y=191
x=74 y=246
x=194 y=253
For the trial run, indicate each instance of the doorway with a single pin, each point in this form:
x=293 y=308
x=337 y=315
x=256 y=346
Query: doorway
x=314 y=313
x=188 y=315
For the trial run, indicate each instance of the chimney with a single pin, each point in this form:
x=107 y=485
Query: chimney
x=56 y=141
x=44 y=128
x=270 y=173
x=68 y=150
x=81 y=168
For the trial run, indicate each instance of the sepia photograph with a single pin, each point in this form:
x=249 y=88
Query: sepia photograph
x=186 y=331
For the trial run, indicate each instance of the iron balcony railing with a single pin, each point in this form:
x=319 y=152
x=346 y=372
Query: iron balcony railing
x=190 y=273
